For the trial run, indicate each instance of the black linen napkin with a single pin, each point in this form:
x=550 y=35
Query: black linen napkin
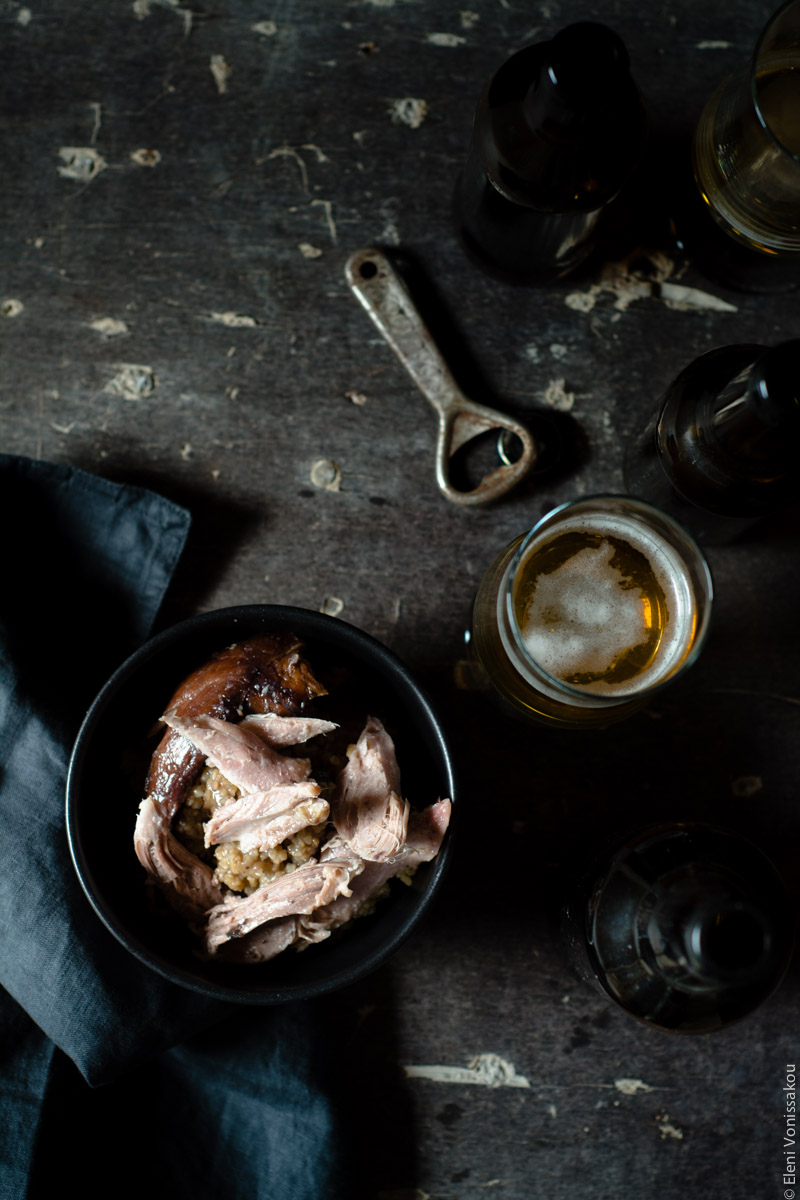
x=200 y=1096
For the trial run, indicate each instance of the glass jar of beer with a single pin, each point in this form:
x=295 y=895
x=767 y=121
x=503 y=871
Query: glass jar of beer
x=579 y=621
x=740 y=217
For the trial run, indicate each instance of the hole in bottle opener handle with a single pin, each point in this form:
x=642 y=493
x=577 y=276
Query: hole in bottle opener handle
x=386 y=299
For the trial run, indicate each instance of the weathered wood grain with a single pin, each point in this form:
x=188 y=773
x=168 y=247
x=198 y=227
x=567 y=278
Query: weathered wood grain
x=183 y=184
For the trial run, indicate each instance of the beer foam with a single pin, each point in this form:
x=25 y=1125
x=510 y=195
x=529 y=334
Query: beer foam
x=580 y=619
x=584 y=614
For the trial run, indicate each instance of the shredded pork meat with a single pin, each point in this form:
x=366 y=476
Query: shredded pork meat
x=262 y=820
x=367 y=810
x=311 y=886
x=249 y=762
x=190 y=882
x=286 y=731
x=236 y=714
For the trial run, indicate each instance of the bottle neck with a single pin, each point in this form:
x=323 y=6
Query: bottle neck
x=581 y=77
x=561 y=124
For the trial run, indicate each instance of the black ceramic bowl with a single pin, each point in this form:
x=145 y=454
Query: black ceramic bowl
x=109 y=763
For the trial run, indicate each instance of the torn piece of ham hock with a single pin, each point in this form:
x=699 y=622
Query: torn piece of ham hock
x=324 y=851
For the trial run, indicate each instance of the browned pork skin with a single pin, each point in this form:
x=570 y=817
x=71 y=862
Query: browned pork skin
x=367 y=809
x=261 y=674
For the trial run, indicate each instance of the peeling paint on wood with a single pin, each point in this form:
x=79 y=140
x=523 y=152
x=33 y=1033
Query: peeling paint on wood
x=328 y=207
x=81 y=163
x=666 y=1130
x=631 y=1087
x=557 y=397
x=108 y=326
x=222 y=71
x=408 y=111
x=145 y=157
x=628 y=281
x=487 y=1070
x=141 y=10
x=331 y=606
x=326 y=474
x=234 y=320
x=445 y=39
x=132 y=382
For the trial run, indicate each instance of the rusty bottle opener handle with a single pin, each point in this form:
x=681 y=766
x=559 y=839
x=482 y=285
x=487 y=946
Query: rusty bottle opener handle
x=386 y=298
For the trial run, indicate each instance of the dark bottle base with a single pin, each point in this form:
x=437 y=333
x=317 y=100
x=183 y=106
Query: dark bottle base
x=631 y=917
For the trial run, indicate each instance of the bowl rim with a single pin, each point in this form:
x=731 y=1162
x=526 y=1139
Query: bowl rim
x=312 y=625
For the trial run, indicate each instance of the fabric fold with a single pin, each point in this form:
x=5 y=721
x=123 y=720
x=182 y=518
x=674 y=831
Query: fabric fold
x=90 y=563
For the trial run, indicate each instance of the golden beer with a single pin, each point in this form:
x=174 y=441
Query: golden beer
x=578 y=621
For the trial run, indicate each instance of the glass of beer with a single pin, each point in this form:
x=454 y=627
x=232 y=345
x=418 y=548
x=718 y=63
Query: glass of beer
x=579 y=621
x=747 y=144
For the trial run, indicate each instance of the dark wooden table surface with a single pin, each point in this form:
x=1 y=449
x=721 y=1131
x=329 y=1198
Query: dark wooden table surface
x=182 y=185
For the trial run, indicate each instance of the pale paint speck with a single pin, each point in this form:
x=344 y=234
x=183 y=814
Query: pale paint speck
x=222 y=71
x=133 y=381
x=557 y=398
x=630 y=1087
x=409 y=111
x=145 y=157
x=331 y=606
x=108 y=326
x=666 y=1129
x=326 y=474
x=81 y=163
x=234 y=320
x=445 y=39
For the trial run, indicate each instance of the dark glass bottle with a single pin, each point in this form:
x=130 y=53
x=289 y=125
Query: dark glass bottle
x=557 y=132
x=723 y=450
x=719 y=255
x=686 y=926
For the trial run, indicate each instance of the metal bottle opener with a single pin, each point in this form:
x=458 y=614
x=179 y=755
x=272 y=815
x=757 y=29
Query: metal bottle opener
x=386 y=298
